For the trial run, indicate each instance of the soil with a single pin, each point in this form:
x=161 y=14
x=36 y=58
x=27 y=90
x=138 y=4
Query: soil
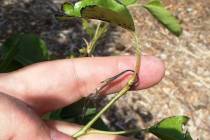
x=185 y=90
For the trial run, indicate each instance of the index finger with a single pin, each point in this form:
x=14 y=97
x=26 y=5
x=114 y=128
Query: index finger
x=50 y=85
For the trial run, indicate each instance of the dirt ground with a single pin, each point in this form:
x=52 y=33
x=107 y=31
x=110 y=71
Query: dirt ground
x=185 y=90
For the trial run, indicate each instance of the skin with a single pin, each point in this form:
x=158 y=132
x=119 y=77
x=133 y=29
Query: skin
x=28 y=93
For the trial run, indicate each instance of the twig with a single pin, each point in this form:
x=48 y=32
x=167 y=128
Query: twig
x=125 y=132
x=123 y=91
x=100 y=31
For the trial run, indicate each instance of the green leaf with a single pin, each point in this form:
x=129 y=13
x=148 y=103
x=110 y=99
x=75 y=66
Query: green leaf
x=90 y=111
x=68 y=8
x=73 y=113
x=171 y=129
x=56 y=115
x=107 y=10
x=188 y=136
x=157 y=9
x=32 y=50
x=21 y=50
x=128 y=2
x=9 y=51
x=14 y=65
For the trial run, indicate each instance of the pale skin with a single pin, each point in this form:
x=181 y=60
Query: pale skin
x=28 y=93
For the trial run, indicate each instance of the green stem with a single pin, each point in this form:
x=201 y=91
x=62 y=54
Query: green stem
x=123 y=91
x=84 y=130
x=92 y=44
x=126 y=132
x=100 y=31
x=134 y=5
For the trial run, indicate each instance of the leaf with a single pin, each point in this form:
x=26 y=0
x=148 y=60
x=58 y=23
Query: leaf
x=56 y=115
x=74 y=110
x=107 y=10
x=157 y=9
x=68 y=9
x=188 y=136
x=9 y=51
x=21 y=50
x=14 y=65
x=171 y=129
x=32 y=50
x=128 y=2
x=73 y=113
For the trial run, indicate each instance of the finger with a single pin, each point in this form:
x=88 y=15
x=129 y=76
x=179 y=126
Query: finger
x=70 y=129
x=51 y=85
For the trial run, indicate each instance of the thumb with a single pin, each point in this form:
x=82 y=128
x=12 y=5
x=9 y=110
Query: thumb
x=19 y=122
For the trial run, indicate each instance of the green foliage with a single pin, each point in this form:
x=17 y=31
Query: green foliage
x=90 y=30
x=111 y=11
x=99 y=33
x=8 y=54
x=157 y=9
x=21 y=50
x=74 y=113
x=171 y=129
x=56 y=115
x=127 y=2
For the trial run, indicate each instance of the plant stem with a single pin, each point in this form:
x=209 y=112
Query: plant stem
x=123 y=91
x=135 y=5
x=126 y=132
x=100 y=31
x=137 y=47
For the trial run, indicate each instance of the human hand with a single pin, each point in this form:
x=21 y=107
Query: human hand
x=28 y=93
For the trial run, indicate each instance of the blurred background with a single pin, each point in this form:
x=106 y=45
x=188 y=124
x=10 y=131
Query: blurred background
x=185 y=90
